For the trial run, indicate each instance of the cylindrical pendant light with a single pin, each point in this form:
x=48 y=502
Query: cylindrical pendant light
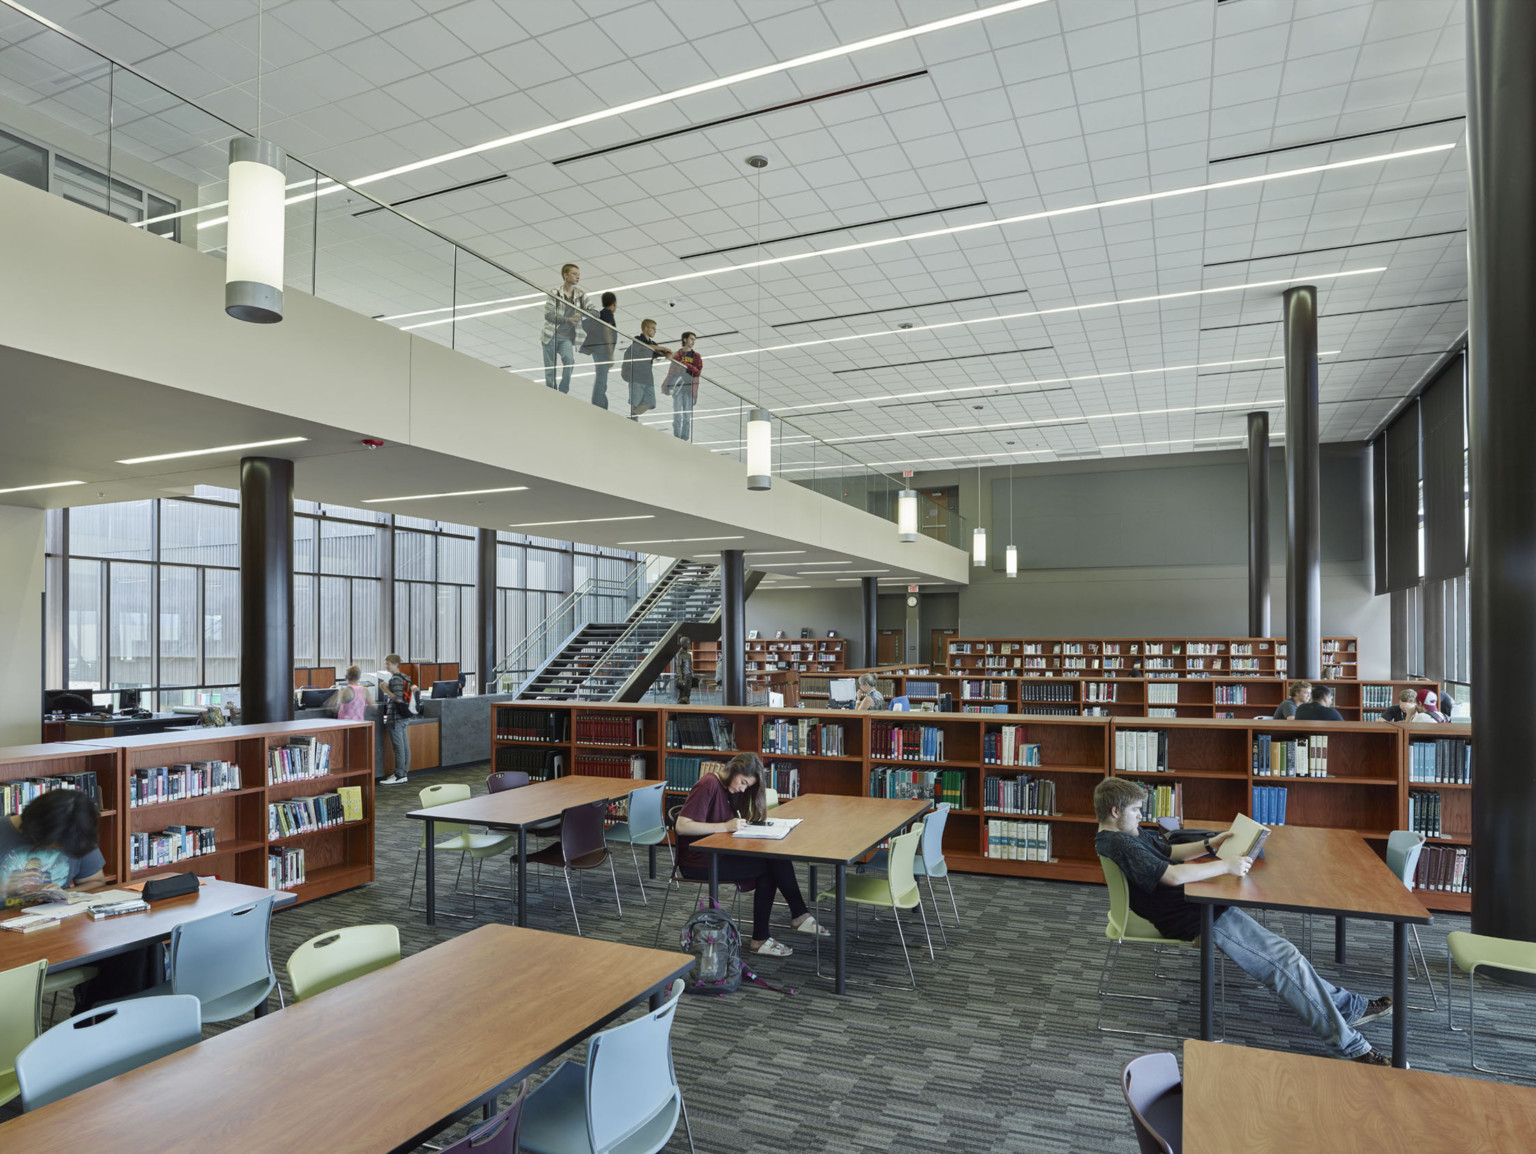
x=759 y=450
x=906 y=515
x=978 y=546
x=1011 y=560
x=1011 y=554
x=253 y=266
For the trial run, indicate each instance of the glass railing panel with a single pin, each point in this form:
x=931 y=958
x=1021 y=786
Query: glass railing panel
x=384 y=266
x=59 y=137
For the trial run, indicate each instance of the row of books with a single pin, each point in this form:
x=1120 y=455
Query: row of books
x=15 y=796
x=1160 y=711
x=285 y=867
x=172 y=844
x=940 y=785
x=301 y=758
x=921 y=690
x=162 y=783
x=1445 y=868
x=1016 y=840
x=1102 y=691
x=1291 y=756
x=1269 y=804
x=539 y=764
x=700 y=731
x=631 y=766
x=297 y=815
x=1141 y=750
x=1006 y=746
x=1164 y=801
x=1445 y=759
x=1039 y=711
x=1058 y=691
x=973 y=707
x=513 y=724
x=983 y=691
x=1424 y=813
x=1162 y=694
x=610 y=729
x=803 y=735
x=893 y=742
x=1230 y=694
x=683 y=772
x=1019 y=794
x=783 y=778
x=1377 y=696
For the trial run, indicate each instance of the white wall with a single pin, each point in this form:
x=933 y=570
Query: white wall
x=816 y=609
x=21 y=625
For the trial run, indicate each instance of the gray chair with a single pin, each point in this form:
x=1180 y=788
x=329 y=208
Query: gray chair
x=581 y=847
x=1403 y=849
x=224 y=962
x=103 y=1043
x=646 y=826
x=1154 y=1094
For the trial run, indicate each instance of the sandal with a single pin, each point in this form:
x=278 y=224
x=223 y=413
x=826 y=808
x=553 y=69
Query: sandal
x=812 y=926
x=773 y=949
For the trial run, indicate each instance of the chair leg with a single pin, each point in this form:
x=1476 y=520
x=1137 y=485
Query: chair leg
x=943 y=937
x=687 y=1126
x=901 y=934
x=634 y=857
x=666 y=896
x=952 y=904
x=572 y=895
x=615 y=879
x=442 y=913
x=926 y=934
x=1420 y=961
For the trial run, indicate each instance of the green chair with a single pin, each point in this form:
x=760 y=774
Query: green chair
x=1125 y=925
x=462 y=841
x=1469 y=951
x=332 y=958
x=21 y=1010
x=896 y=891
x=56 y=984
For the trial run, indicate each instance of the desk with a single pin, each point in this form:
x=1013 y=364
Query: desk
x=518 y=809
x=78 y=940
x=380 y=1063
x=1316 y=871
x=93 y=728
x=1264 y=1102
x=834 y=831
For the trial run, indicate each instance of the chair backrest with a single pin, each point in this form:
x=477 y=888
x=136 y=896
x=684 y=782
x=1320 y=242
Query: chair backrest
x=103 y=1043
x=21 y=1003
x=630 y=1080
x=506 y=779
x=901 y=704
x=645 y=809
x=339 y=956
x=1154 y=1093
x=933 y=836
x=903 y=850
x=498 y=1136
x=1403 y=849
x=582 y=843
x=770 y=797
x=215 y=956
x=435 y=795
x=1119 y=898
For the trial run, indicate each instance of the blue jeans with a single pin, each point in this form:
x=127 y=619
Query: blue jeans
x=682 y=412
x=402 y=744
x=562 y=348
x=1273 y=962
x=602 y=363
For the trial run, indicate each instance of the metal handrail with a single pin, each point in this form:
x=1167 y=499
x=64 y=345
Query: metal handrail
x=645 y=618
x=592 y=587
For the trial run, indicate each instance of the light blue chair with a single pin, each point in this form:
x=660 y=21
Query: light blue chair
x=1403 y=849
x=103 y=1043
x=901 y=705
x=647 y=826
x=929 y=863
x=626 y=1099
x=223 y=961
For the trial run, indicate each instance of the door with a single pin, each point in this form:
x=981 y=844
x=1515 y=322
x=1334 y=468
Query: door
x=888 y=647
x=938 y=646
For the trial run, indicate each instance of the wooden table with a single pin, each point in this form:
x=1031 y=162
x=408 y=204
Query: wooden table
x=78 y=941
x=380 y=1063
x=834 y=831
x=518 y=809
x=1316 y=871
x=1238 y=1099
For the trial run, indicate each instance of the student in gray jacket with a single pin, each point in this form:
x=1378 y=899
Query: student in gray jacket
x=639 y=371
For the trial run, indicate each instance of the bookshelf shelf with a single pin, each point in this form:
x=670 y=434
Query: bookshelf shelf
x=309 y=833
x=182 y=801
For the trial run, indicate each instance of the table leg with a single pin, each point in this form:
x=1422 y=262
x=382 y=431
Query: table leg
x=1339 y=944
x=714 y=879
x=814 y=891
x=1400 y=995
x=431 y=873
x=522 y=876
x=653 y=863
x=658 y=999
x=841 y=948
x=1207 y=971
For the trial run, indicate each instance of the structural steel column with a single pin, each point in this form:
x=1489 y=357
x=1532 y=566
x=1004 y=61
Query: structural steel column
x=733 y=628
x=266 y=590
x=1258 y=524
x=1303 y=591
x=871 y=588
x=485 y=605
x=1501 y=347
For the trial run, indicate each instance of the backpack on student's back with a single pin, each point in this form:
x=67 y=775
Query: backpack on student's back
x=715 y=942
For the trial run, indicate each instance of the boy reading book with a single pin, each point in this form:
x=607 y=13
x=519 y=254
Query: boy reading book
x=1157 y=873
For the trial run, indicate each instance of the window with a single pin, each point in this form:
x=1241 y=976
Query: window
x=85 y=184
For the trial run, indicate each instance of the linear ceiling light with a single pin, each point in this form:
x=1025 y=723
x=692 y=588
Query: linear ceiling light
x=815 y=574
x=44 y=485
x=682 y=540
x=212 y=451
x=581 y=521
x=457 y=493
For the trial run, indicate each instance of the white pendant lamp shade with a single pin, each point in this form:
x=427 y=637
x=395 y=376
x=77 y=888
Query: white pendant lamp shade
x=978 y=546
x=1011 y=560
x=253 y=267
x=759 y=450
x=906 y=515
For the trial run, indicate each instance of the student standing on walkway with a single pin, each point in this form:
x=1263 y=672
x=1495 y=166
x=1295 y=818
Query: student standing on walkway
x=601 y=339
x=682 y=384
x=564 y=308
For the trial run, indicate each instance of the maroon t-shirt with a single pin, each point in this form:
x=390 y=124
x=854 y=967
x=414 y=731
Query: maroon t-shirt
x=709 y=801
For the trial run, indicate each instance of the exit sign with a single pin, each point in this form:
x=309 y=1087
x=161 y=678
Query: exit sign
x=911 y=588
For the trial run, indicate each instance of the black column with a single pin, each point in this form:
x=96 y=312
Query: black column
x=733 y=629
x=1303 y=591
x=266 y=590
x=485 y=605
x=1501 y=344
x=871 y=588
x=1258 y=524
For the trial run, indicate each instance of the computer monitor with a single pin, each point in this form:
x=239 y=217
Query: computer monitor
x=310 y=698
x=441 y=689
x=842 y=690
x=128 y=700
x=69 y=702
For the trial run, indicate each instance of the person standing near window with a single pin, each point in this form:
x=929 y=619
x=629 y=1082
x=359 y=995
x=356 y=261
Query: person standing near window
x=350 y=700
x=682 y=384
x=564 y=308
x=395 y=703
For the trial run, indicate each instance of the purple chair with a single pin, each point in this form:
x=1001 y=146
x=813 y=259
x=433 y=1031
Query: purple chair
x=496 y=1136
x=582 y=846
x=515 y=779
x=1154 y=1092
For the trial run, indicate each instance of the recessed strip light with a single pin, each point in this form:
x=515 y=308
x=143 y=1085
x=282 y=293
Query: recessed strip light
x=814 y=574
x=212 y=451
x=458 y=493
x=1173 y=441
x=213 y=204
x=580 y=521
x=44 y=485
x=683 y=540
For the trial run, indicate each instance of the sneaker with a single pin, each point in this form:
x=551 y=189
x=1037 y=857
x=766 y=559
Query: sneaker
x=1375 y=1008
x=394 y=779
x=1373 y=1058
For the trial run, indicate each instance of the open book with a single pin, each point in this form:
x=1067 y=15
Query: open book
x=1248 y=838
x=773 y=828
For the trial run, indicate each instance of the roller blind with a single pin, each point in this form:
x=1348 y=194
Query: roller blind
x=1379 y=510
x=1443 y=407
x=1403 y=448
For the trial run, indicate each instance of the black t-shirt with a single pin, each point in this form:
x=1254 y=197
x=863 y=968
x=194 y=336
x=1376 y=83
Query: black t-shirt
x=1313 y=711
x=1143 y=859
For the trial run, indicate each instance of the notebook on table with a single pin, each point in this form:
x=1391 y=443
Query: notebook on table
x=772 y=829
x=1247 y=840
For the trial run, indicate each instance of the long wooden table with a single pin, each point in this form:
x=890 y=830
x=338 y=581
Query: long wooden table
x=517 y=809
x=1238 y=1099
x=380 y=1063
x=1316 y=871
x=835 y=831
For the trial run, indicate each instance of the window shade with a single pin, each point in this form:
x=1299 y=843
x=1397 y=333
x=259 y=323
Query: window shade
x=1402 y=438
x=1379 y=510
x=1443 y=414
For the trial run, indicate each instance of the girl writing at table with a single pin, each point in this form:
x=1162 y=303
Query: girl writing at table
x=724 y=799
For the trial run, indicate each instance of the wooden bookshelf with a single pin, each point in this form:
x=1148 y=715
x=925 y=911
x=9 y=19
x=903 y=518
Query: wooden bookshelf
x=766 y=655
x=1455 y=800
x=1146 y=657
x=19 y=762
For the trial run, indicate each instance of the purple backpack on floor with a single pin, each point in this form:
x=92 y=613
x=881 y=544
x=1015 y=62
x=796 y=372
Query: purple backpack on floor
x=715 y=943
